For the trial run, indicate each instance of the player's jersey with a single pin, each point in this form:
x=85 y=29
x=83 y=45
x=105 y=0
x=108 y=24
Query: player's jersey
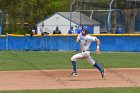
x=85 y=41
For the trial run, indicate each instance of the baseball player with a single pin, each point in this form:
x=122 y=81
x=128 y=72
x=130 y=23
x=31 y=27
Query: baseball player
x=85 y=41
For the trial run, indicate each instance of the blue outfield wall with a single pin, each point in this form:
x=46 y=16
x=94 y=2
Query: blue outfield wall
x=67 y=43
x=2 y=43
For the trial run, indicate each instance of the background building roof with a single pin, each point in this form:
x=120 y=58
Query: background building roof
x=79 y=18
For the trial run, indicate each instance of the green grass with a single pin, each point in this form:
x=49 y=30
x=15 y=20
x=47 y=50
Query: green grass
x=91 y=90
x=31 y=60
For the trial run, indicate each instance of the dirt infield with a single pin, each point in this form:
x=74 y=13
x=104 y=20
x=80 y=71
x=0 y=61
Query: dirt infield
x=59 y=79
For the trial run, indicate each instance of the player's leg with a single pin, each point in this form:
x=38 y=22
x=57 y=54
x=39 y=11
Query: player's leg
x=93 y=63
x=73 y=60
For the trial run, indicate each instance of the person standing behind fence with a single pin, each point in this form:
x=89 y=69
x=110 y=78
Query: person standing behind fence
x=57 y=31
x=32 y=33
x=119 y=30
x=77 y=30
x=42 y=29
x=71 y=30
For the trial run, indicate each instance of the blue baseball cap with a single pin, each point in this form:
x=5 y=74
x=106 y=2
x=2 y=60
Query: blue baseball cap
x=85 y=28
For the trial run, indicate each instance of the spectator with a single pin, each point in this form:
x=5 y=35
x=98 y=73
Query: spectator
x=32 y=33
x=119 y=30
x=57 y=31
x=42 y=29
x=77 y=30
x=71 y=31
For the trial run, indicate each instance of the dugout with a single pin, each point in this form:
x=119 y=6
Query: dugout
x=1 y=21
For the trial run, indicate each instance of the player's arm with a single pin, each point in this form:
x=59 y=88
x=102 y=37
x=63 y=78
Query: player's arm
x=77 y=38
x=97 y=46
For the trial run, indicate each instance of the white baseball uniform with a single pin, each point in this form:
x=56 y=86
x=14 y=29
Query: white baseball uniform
x=85 y=42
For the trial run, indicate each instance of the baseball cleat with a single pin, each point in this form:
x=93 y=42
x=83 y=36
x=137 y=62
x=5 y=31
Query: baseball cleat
x=74 y=74
x=102 y=73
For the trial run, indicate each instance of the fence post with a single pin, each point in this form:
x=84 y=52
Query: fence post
x=7 y=41
x=47 y=43
x=24 y=42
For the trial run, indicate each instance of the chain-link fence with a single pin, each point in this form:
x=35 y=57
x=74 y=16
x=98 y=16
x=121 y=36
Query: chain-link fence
x=112 y=13
x=0 y=22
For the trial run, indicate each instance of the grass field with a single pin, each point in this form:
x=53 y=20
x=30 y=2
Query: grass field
x=91 y=90
x=31 y=60
x=24 y=60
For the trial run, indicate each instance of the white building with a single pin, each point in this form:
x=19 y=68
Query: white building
x=62 y=20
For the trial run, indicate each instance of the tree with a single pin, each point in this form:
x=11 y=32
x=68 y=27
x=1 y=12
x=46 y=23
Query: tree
x=29 y=11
